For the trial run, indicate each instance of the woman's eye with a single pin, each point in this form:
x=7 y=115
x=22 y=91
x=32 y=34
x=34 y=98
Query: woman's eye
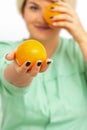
x=33 y=8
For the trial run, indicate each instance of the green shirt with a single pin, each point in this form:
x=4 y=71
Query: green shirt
x=55 y=100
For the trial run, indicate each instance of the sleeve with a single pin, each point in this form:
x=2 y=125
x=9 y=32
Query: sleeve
x=6 y=86
x=3 y=52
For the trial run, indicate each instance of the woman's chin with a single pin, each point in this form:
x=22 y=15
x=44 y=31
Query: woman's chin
x=40 y=38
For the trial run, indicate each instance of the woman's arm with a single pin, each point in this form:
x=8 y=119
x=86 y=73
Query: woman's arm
x=22 y=76
x=83 y=44
x=18 y=76
x=69 y=20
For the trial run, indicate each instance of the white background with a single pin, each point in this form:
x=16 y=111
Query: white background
x=12 y=26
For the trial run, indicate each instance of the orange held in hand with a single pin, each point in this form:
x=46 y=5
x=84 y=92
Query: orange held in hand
x=49 y=13
x=30 y=50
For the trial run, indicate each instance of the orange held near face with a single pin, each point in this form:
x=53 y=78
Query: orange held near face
x=48 y=13
x=30 y=50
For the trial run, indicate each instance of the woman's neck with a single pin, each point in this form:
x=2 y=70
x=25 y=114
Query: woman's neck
x=50 y=45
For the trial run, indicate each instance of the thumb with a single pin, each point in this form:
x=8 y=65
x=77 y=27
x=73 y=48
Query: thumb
x=11 y=55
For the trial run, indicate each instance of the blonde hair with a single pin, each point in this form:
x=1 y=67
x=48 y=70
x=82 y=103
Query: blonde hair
x=71 y=2
x=20 y=4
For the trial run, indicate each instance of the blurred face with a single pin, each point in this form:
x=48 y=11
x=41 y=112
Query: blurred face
x=37 y=26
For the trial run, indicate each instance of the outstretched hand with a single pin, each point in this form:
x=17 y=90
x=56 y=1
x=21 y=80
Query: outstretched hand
x=25 y=68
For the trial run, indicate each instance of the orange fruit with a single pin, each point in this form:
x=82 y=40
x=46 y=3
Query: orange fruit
x=49 y=13
x=30 y=50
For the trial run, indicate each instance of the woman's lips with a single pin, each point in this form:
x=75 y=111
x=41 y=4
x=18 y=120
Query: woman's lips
x=43 y=27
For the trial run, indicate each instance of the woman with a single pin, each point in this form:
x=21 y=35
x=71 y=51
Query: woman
x=57 y=98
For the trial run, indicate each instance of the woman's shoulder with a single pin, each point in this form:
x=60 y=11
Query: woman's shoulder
x=7 y=46
x=9 y=43
x=71 y=51
x=67 y=41
x=69 y=44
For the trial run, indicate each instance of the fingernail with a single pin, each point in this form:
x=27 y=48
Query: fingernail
x=54 y=24
x=49 y=62
x=39 y=63
x=55 y=0
x=52 y=8
x=27 y=64
x=51 y=17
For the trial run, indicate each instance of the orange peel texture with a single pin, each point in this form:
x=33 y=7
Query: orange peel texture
x=30 y=50
x=48 y=13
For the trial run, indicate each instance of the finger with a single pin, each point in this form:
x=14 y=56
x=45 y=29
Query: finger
x=62 y=17
x=11 y=55
x=45 y=65
x=35 y=69
x=55 y=0
x=63 y=24
x=23 y=68
x=63 y=7
x=62 y=3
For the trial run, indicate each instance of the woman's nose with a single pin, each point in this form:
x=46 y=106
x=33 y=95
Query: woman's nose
x=41 y=16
